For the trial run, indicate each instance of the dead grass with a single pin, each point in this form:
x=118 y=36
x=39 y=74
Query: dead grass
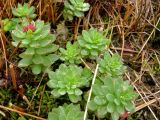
x=134 y=24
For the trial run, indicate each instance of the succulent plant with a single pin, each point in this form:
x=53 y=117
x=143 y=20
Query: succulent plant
x=66 y=112
x=9 y=25
x=24 y=11
x=111 y=65
x=69 y=80
x=74 y=8
x=112 y=96
x=92 y=43
x=38 y=41
x=71 y=54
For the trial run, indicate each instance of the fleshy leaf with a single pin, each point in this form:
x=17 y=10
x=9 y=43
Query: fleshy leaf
x=36 y=69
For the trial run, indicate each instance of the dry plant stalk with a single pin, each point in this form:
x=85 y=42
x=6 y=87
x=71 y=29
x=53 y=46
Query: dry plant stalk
x=13 y=76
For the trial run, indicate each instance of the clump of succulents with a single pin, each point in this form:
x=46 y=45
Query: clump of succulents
x=24 y=11
x=71 y=54
x=37 y=40
x=112 y=96
x=111 y=65
x=92 y=43
x=74 y=8
x=69 y=80
x=66 y=112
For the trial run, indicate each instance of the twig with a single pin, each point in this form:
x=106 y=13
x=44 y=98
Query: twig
x=125 y=50
x=22 y=113
x=34 y=94
x=41 y=98
x=146 y=104
x=90 y=92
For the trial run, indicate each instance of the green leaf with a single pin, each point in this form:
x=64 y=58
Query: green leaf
x=102 y=111
x=86 y=36
x=111 y=107
x=115 y=116
x=65 y=112
x=25 y=62
x=92 y=105
x=21 y=118
x=84 y=52
x=54 y=115
x=47 y=49
x=36 y=69
x=29 y=51
x=48 y=40
x=73 y=2
x=62 y=91
x=38 y=59
x=77 y=114
x=129 y=107
x=71 y=91
x=52 y=84
x=99 y=100
x=55 y=93
x=74 y=98
x=78 y=14
x=120 y=109
x=18 y=33
x=39 y=25
x=97 y=89
x=78 y=92
x=85 y=7
x=110 y=97
x=50 y=59
x=94 y=53
x=44 y=33
x=35 y=44
x=116 y=101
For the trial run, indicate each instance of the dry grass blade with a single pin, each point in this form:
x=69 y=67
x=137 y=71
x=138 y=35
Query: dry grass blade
x=146 y=104
x=4 y=52
x=134 y=28
x=90 y=92
x=147 y=39
x=22 y=113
